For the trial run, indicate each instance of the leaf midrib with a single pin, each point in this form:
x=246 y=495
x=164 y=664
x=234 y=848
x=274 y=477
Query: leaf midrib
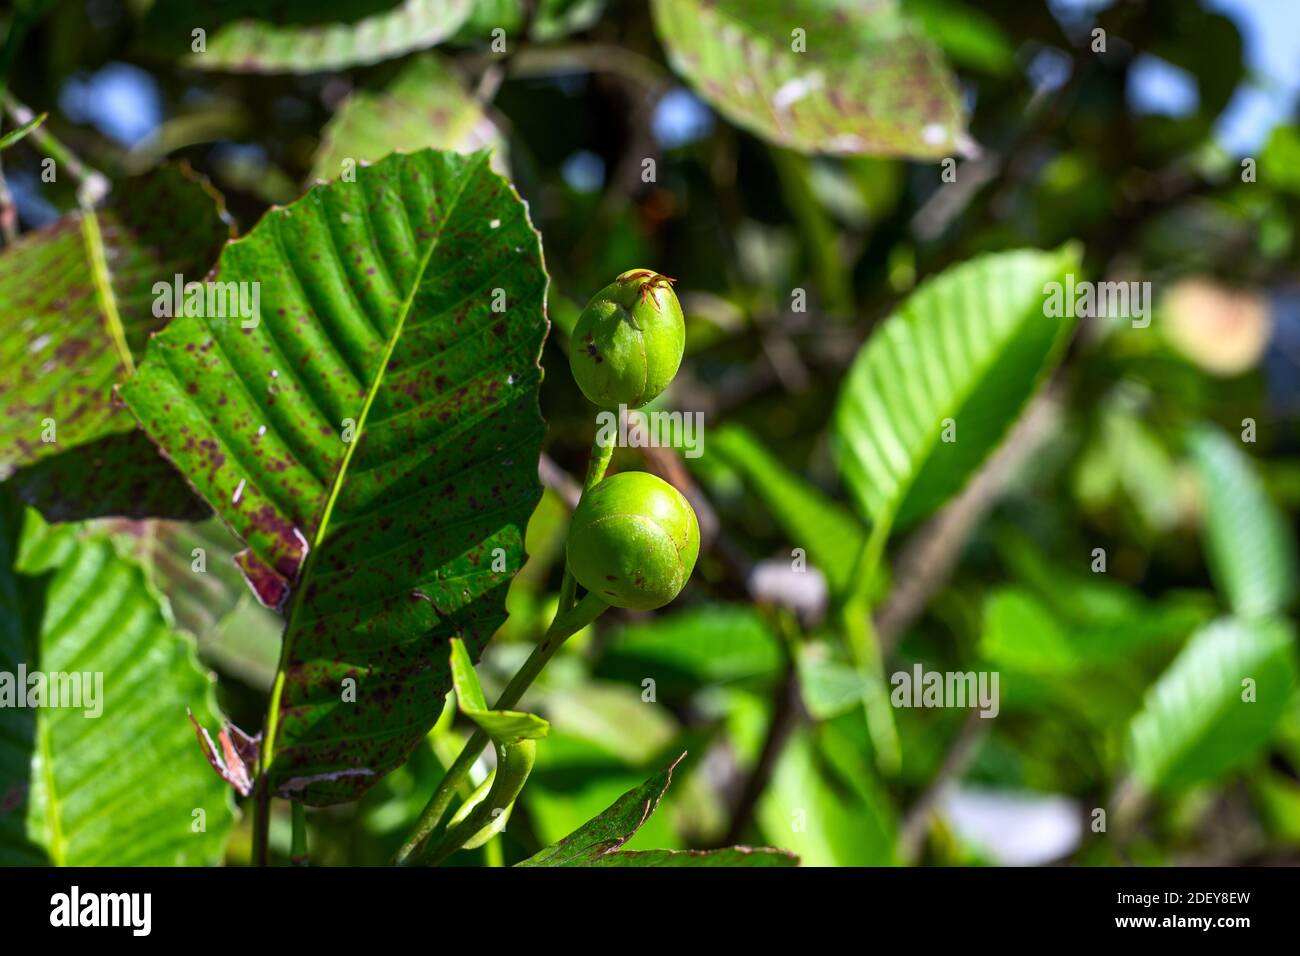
x=104 y=295
x=322 y=528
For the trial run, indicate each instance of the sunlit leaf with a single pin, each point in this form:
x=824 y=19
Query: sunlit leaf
x=77 y=301
x=942 y=380
x=119 y=780
x=373 y=440
x=299 y=36
x=423 y=106
x=823 y=76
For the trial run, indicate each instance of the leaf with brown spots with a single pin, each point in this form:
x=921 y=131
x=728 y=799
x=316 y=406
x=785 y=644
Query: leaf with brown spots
x=424 y=105
x=866 y=81
x=76 y=301
x=376 y=325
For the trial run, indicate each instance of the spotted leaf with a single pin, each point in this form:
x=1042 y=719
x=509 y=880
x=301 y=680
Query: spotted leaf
x=819 y=76
x=373 y=437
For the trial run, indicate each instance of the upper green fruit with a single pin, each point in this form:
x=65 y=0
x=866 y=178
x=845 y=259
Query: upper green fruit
x=633 y=541
x=628 y=342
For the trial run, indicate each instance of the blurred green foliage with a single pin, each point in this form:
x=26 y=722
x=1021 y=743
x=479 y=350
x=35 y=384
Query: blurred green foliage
x=1129 y=568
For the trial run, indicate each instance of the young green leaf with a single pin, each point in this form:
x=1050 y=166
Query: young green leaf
x=598 y=841
x=424 y=105
x=1216 y=705
x=116 y=779
x=819 y=78
x=502 y=726
x=299 y=36
x=942 y=380
x=1249 y=546
x=373 y=438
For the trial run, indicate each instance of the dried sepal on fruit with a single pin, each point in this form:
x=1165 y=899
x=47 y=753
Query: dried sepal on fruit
x=627 y=345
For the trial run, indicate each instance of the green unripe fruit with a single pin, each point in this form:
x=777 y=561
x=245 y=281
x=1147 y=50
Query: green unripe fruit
x=628 y=342
x=633 y=541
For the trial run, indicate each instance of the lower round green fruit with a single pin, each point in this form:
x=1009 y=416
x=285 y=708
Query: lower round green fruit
x=633 y=541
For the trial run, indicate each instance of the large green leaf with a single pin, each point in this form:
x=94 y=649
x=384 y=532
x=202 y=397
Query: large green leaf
x=970 y=346
x=378 y=326
x=867 y=80
x=829 y=532
x=598 y=842
x=423 y=106
x=1248 y=542
x=77 y=300
x=300 y=36
x=1198 y=721
x=123 y=787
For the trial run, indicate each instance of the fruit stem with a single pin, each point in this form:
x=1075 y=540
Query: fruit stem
x=562 y=628
x=596 y=468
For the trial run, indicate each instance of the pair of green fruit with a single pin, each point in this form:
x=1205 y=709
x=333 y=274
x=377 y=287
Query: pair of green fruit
x=634 y=538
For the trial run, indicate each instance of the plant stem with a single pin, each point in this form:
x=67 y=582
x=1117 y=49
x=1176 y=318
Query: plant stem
x=596 y=468
x=261 y=822
x=298 y=854
x=562 y=628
